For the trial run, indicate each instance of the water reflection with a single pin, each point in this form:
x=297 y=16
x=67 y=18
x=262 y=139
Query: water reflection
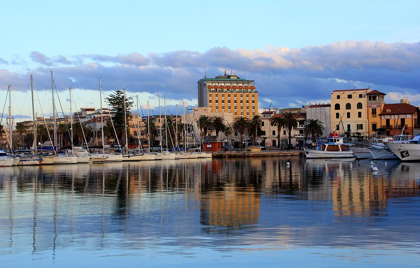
x=209 y=203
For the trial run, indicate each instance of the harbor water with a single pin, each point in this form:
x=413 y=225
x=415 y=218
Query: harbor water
x=221 y=212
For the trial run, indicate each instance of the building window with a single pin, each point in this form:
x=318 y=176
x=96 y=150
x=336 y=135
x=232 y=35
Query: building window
x=338 y=97
x=359 y=105
x=360 y=96
x=274 y=133
x=348 y=106
x=337 y=106
x=284 y=132
x=374 y=127
x=402 y=122
x=359 y=126
x=349 y=96
x=263 y=133
x=262 y=123
x=337 y=115
x=348 y=114
x=359 y=114
x=374 y=111
x=337 y=127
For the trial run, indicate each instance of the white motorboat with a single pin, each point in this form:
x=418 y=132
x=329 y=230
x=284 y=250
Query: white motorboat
x=333 y=148
x=98 y=158
x=5 y=159
x=408 y=150
x=65 y=160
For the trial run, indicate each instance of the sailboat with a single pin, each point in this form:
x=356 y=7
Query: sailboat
x=103 y=157
x=63 y=157
x=5 y=159
x=128 y=156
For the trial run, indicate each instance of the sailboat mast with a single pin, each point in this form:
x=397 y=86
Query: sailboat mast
x=102 y=117
x=125 y=125
x=10 y=118
x=54 y=114
x=71 y=125
x=166 y=124
x=138 y=122
x=148 y=126
x=176 y=126
x=34 y=115
x=160 y=124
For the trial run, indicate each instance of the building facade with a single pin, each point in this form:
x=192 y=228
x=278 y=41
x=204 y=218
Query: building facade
x=349 y=112
x=321 y=112
x=400 y=118
x=229 y=94
x=375 y=104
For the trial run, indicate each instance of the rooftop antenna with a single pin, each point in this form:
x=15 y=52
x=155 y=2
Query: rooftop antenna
x=225 y=71
x=205 y=74
x=355 y=85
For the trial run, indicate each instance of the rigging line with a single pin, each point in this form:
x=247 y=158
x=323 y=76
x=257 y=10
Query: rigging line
x=80 y=122
x=64 y=117
x=115 y=132
x=4 y=106
x=45 y=122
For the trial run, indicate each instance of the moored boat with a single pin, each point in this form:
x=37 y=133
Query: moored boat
x=408 y=150
x=333 y=148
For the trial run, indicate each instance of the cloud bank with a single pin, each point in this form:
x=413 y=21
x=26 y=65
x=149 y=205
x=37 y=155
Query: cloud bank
x=282 y=75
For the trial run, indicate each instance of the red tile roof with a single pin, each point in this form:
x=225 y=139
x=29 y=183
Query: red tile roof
x=375 y=92
x=398 y=108
x=268 y=112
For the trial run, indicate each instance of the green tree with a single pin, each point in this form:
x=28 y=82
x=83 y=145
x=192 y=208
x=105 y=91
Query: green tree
x=256 y=127
x=204 y=123
x=314 y=129
x=42 y=133
x=20 y=128
x=1 y=135
x=153 y=131
x=290 y=123
x=116 y=101
x=240 y=125
x=108 y=132
x=278 y=121
x=61 y=130
x=218 y=125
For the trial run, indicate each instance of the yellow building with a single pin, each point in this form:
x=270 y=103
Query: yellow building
x=229 y=93
x=375 y=104
x=349 y=111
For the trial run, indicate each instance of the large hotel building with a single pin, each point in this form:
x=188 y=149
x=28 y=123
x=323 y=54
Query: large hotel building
x=229 y=93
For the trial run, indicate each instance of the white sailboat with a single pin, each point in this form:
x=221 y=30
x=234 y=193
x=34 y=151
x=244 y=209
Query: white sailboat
x=104 y=157
x=60 y=158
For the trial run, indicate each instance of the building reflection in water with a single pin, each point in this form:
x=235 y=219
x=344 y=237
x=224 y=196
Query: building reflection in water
x=57 y=206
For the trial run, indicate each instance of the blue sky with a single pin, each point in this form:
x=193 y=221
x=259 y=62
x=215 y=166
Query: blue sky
x=296 y=51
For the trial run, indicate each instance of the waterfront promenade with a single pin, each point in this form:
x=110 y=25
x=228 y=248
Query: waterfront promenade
x=263 y=153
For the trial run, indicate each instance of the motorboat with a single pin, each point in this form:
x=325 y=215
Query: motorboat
x=407 y=150
x=333 y=148
x=27 y=158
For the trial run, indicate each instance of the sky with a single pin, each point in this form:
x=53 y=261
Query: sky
x=297 y=52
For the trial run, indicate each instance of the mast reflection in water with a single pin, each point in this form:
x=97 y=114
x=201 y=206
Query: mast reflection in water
x=207 y=212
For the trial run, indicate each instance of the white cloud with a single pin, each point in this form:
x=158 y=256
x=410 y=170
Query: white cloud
x=292 y=104
x=395 y=97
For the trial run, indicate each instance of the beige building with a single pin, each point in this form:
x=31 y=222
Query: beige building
x=349 y=111
x=229 y=94
x=375 y=105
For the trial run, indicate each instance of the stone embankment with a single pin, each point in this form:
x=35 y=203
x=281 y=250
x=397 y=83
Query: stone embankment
x=265 y=153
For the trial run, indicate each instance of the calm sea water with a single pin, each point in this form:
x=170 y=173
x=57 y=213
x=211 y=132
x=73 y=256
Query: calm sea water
x=211 y=212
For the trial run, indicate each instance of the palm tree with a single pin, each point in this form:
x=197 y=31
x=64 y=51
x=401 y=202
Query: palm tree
x=313 y=128
x=218 y=125
x=240 y=125
x=62 y=129
x=278 y=121
x=21 y=129
x=255 y=127
x=290 y=122
x=227 y=132
x=204 y=123
x=42 y=132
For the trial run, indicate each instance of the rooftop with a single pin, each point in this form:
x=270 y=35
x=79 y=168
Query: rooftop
x=398 y=108
x=375 y=92
x=348 y=90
